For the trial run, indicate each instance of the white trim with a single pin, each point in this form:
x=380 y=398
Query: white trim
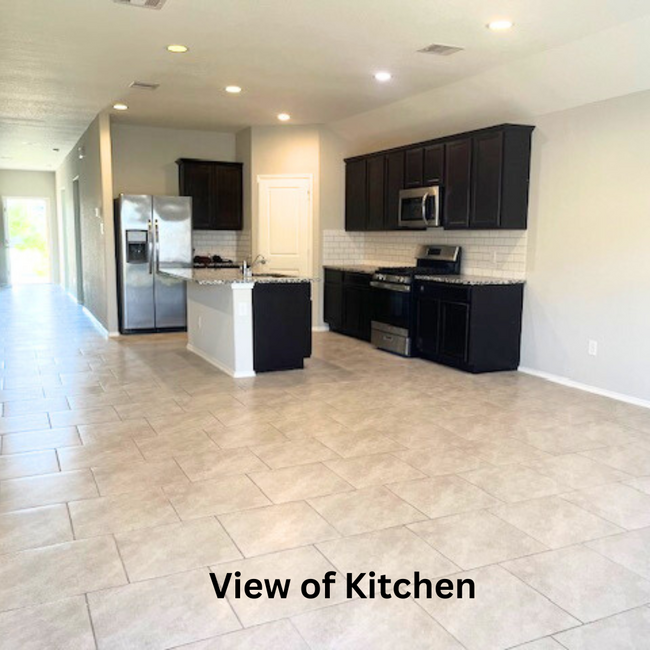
x=102 y=330
x=218 y=364
x=320 y=328
x=565 y=381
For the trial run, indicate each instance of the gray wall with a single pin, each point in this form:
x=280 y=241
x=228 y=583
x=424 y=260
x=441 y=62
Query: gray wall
x=97 y=246
x=144 y=158
x=589 y=246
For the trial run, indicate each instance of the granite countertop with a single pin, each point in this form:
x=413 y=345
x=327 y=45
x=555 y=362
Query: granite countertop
x=368 y=269
x=227 y=276
x=469 y=280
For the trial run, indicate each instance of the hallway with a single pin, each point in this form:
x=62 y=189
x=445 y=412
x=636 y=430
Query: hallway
x=129 y=467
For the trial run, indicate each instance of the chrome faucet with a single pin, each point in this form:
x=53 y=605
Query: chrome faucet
x=248 y=268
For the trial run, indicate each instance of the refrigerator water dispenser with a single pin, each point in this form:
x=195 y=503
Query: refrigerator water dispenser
x=136 y=246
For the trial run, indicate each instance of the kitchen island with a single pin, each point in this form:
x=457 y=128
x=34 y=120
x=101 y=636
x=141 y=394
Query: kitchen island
x=245 y=324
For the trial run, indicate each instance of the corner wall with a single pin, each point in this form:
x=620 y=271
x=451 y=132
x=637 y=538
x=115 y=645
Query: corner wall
x=97 y=239
x=588 y=246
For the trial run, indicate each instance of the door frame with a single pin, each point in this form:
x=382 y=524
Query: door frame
x=49 y=231
x=310 y=225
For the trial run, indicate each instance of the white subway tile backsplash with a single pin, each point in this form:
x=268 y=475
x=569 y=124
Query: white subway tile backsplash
x=500 y=253
x=230 y=244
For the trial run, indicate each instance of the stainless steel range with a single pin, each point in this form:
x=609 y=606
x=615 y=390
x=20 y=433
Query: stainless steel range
x=393 y=299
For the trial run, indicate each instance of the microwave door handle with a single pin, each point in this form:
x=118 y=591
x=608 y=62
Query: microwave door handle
x=424 y=209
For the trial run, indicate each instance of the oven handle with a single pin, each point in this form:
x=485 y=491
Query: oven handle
x=402 y=288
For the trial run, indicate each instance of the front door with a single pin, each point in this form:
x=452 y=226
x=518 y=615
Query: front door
x=285 y=224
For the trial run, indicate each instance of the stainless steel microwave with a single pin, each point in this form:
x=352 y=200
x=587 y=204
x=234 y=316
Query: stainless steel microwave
x=419 y=208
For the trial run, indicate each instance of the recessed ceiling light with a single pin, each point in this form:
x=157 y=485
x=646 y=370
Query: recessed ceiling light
x=177 y=49
x=284 y=117
x=234 y=90
x=120 y=107
x=500 y=25
x=383 y=76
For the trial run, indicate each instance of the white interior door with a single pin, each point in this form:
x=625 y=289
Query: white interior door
x=285 y=223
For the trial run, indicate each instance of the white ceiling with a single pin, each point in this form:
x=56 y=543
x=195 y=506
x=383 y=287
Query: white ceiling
x=64 y=61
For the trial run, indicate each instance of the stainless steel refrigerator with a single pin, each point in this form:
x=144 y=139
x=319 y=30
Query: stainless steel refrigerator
x=152 y=232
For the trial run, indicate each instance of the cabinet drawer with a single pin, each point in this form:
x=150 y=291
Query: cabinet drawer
x=446 y=292
x=357 y=279
x=333 y=275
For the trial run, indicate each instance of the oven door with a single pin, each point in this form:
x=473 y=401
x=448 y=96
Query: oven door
x=391 y=317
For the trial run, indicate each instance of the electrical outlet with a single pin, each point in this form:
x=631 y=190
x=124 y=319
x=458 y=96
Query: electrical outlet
x=593 y=348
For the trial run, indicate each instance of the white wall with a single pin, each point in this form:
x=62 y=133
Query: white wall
x=18 y=183
x=589 y=246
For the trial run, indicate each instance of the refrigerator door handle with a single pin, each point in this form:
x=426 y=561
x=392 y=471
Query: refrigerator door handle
x=150 y=247
x=157 y=247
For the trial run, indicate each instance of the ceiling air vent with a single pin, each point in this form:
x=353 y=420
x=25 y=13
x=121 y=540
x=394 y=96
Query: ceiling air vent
x=145 y=4
x=143 y=85
x=440 y=50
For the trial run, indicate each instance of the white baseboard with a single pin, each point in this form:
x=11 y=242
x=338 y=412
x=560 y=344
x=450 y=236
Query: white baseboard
x=218 y=364
x=98 y=326
x=565 y=381
x=320 y=328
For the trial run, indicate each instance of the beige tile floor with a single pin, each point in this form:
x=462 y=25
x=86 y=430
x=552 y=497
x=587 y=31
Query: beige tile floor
x=129 y=468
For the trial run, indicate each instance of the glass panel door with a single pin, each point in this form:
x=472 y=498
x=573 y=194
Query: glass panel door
x=26 y=240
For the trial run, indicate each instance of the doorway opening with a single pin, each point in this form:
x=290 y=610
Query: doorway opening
x=27 y=240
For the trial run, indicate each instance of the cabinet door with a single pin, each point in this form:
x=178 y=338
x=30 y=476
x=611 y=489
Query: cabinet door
x=434 y=157
x=355 y=195
x=365 y=326
x=427 y=326
x=333 y=305
x=227 y=197
x=454 y=330
x=456 y=199
x=195 y=180
x=487 y=165
x=352 y=299
x=413 y=173
x=376 y=205
x=394 y=184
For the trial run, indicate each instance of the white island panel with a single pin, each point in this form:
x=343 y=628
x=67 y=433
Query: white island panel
x=220 y=326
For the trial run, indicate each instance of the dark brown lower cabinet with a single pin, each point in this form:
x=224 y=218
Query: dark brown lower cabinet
x=475 y=328
x=348 y=303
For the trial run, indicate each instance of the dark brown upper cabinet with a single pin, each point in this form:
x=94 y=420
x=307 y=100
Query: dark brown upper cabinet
x=394 y=185
x=457 y=191
x=434 y=161
x=484 y=176
x=414 y=167
x=356 y=204
x=376 y=192
x=216 y=189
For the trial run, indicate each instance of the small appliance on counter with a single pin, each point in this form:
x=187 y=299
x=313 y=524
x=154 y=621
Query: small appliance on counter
x=393 y=296
x=213 y=262
x=152 y=232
